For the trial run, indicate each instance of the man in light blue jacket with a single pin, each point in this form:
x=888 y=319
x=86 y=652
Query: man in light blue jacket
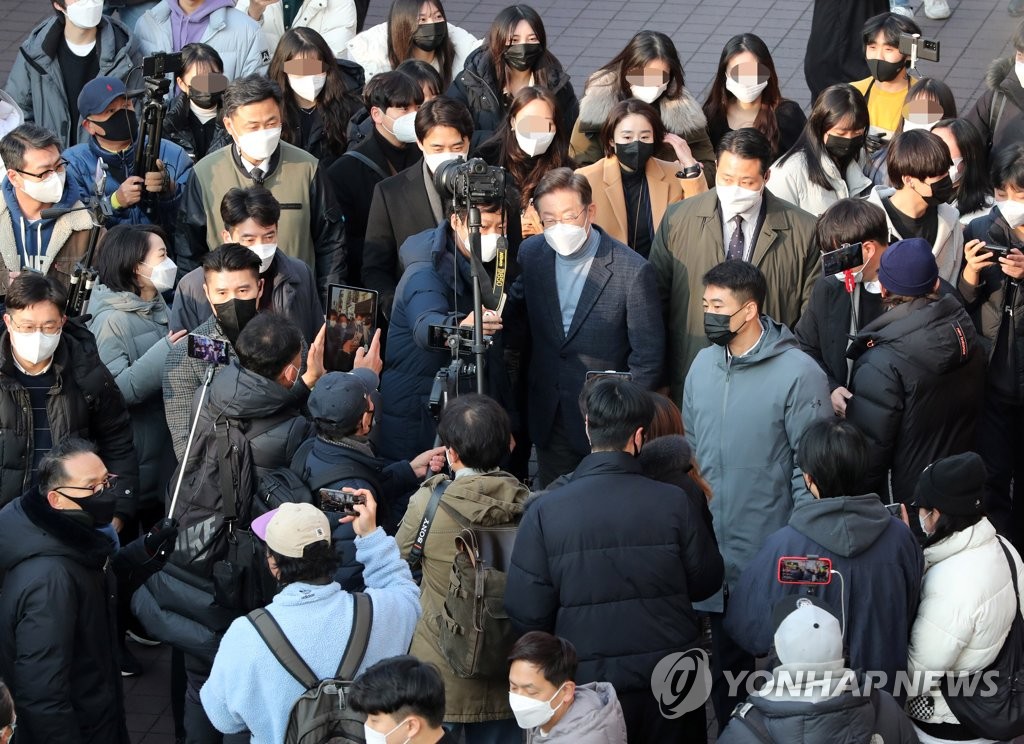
x=747 y=400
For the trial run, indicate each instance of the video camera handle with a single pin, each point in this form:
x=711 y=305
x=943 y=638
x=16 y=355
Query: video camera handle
x=84 y=277
x=191 y=438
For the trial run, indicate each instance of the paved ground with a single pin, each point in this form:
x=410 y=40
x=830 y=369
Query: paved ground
x=585 y=35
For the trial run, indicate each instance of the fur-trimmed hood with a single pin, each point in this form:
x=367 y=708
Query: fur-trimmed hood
x=998 y=71
x=679 y=115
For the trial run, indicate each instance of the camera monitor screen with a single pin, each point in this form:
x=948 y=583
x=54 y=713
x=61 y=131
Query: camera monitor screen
x=351 y=321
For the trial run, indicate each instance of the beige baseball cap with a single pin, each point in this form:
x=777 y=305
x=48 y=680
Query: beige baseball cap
x=288 y=529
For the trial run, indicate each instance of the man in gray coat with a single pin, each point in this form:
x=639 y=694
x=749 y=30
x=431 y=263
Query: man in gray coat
x=746 y=403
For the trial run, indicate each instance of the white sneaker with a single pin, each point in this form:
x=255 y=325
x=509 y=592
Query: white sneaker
x=937 y=10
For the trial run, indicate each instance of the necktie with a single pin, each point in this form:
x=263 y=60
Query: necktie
x=258 y=175
x=736 y=241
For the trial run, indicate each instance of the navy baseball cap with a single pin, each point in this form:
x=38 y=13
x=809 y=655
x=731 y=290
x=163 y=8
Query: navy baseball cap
x=340 y=397
x=97 y=94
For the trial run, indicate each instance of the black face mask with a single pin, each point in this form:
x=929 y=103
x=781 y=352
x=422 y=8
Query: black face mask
x=206 y=101
x=100 y=506
x=716 y=328
x=884 y=71
x=120 y=127
x=430 y=36
x=942 y=192
x=233 y=315
x=843 y=149
x=522 y=57
x=634 y=155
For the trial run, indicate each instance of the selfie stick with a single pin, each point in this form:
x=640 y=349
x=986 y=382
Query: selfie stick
x=913 y=51
x=479 y=347
x=191 y=438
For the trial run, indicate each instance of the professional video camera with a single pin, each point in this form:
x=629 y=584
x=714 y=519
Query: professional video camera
x=470 y=182
x=156 y=70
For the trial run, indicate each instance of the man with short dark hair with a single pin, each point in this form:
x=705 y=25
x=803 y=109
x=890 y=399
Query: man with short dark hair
x=250 y=217
x=615 y=549
x=738 y=218
x=886 y=89
x=747 y=400
x=402 y=693
x=549 y=704
x=311 y=228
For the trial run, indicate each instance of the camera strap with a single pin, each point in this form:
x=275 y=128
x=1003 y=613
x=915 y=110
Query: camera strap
x=415 y=556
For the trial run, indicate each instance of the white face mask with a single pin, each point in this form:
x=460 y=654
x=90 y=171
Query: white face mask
x=736 y=199
x=924 y=529
x=744 y=92
x=564 y=239
x=47 y=191
x=535 y=143
x=35 y=347
x=307 y=86
x=648 y=93
x=1012 y=211
x=266 y=253
x=1018 y=67
x=532 y=713
x=376 y=737
x=488 y=247
x=404 y=128
x=204 y=115
x=435 y=160
x=86 y=13
x=954 y=171
x=162 y=275
x=261 y=144
x=909 y=126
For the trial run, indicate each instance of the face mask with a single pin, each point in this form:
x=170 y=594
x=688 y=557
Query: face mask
x=266 y=253
x=1012 y=211
x=120 y=127
x=162 y=275
x=47 y=191
x=910 y=126
x=260 y=144
x=884 y=71
x=404 y=128
x=942 y=190
x=1018 y=68
x=307 y=86
x=430 y=36
x=534 y=144
x=564 y=239
x=376 y=737
x=522 y=57
x=648 y=93
x=921 y=520
x=35 y=347
x=736 y=199
x=532 y=713
x=233 y=316
x=204 y=115
x=843 y=148
x=488 y=247
x=205 y=101
x=86 y=13
x=716 y=328
x=744 y=92
x=634 y=155
x=435 y=160
x=100 y=506
x=954 y=171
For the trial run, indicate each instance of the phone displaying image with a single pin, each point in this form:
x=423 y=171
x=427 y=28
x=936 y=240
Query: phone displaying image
x=592 y=374
x=805 y=570
x=845 y=257
x=333 y=500
x=207 y=349
x=351 y=322
x=437 y=336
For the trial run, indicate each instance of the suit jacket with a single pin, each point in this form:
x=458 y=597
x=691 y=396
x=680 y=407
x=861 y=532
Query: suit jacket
x=605 y=178
x=689 y=243
x=617 y=325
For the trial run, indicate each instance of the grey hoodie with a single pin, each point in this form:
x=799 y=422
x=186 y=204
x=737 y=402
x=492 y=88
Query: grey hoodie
x=595 y=717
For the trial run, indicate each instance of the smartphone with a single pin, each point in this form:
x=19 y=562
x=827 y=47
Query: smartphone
x=895 y=509
x=845 y=257
x=351 y=322
x=341 y=501
x=161 y=64
x=594 y=373
x=207 y=349
x=927 y=49
x=437 y=336
x=805 y=570
x=997 y=251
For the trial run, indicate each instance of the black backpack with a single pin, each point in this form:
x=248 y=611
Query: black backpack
x=321 y=714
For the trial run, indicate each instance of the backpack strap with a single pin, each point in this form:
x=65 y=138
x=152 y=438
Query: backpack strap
x=995 y=113
x=282 y=648
x=1013 y=570
x=415 y=556
x=358 y=638
x=753 y=719
x=366 y=161
x=224 y=468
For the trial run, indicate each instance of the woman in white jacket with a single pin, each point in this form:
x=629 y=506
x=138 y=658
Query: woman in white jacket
x=415 y=29
x=967 y=599
x=335 y=20
x=823 y=166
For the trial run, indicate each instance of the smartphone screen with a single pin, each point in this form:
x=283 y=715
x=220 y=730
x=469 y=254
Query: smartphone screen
x=351 y=322
x=805 y=570
x=207 y=349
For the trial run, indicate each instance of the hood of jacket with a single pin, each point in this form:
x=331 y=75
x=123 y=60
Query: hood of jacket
x=937 y=335
x=201 y=14
x=969 y=539
x=776 y=340
x=43 y=42
x=998 y=71
x=104 y=299
x=667 y=458
x=31 y=528
x=487 y=498
x=679 y=115
x=595 y=715
x=844 y=525
x=238 y=393
x=11 y=114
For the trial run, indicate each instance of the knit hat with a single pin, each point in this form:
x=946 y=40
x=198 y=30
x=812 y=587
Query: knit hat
x=953 y=485
x=806 y=631
x=97 y=94
x=288 y=529
x=908 y=268
x=340 y=397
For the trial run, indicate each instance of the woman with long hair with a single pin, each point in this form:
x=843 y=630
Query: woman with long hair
x=745 y=93
x=632 y=188
x=649 y=69
x=515 y=56
x=317 y=102
x=415 y=29
x=972 y=189
x=824 y=166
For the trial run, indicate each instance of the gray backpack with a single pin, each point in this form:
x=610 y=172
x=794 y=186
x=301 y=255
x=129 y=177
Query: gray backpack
x=321 y=715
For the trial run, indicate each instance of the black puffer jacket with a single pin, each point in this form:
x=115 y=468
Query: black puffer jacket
x=918 y=382
x=178 y=125
x=999 y=111
x=84 y=402
x=477 y=87
x=612 y=561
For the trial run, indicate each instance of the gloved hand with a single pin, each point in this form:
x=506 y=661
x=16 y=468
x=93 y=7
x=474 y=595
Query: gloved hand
x=875 y=142
x=159 y=541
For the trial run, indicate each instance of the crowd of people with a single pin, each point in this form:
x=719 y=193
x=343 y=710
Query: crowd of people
x=389 y=447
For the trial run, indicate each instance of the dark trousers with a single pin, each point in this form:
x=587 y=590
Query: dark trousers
x=727 y=656
x=198 y=729
x=1001 y=446
x=557 y=457
x=646 y=725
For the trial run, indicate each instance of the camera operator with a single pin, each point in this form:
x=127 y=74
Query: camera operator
x=113 y=127
x=436 y=289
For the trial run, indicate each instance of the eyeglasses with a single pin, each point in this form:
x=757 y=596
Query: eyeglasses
x=551 y=222
x=61 y=166
x=49 y=328
x=106 y=483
